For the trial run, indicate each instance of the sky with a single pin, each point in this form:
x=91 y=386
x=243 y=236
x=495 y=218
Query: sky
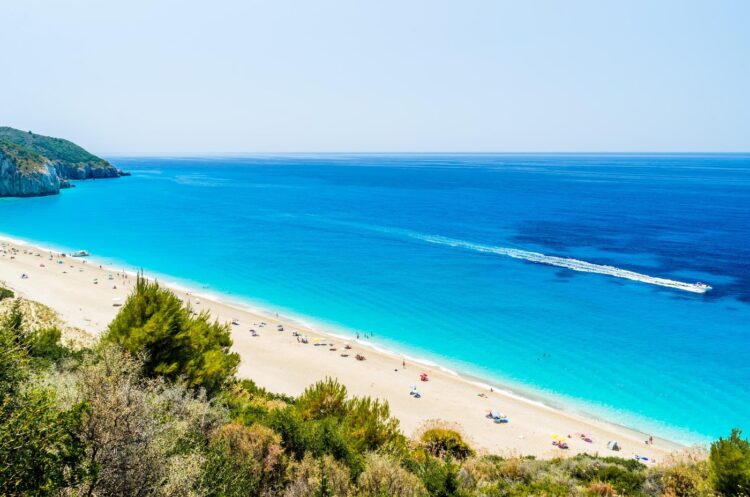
x=223 y=77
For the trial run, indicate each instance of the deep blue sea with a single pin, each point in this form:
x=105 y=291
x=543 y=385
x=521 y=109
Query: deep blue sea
x=431 y=255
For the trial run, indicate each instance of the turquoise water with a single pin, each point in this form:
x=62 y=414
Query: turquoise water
x=430 y=254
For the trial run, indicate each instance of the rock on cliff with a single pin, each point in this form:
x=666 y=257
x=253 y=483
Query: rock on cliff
x=85 y=170
x=25 y=175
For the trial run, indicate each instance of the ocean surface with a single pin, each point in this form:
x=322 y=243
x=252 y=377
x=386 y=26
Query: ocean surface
x=568 y=278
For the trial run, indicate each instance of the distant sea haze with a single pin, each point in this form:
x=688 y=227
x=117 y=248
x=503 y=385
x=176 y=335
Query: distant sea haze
x=569 y=278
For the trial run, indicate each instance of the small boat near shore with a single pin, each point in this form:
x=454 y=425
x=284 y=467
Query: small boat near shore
x=80 y=253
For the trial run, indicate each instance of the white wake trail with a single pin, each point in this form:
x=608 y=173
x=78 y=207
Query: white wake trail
x=527 y=255
x=573 y=264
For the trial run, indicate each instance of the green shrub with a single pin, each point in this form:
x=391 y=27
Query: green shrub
x=177 y=344
x=629 y=464
x=289 y=424
x=329 y=436
x=625 y=481
x=13 y=321
x=444 y=442
x=600 y=489
x=41 y=452
x=324 y=398
x=245 y=461
x=384 y=477
x=547 y=486
x=440 y=477
x=13 y=363
x=685 y=480
x=729 y=465
x=322 y=477
x=45 y=344
x=323 y=420
x=6 y=293
x=370 y=426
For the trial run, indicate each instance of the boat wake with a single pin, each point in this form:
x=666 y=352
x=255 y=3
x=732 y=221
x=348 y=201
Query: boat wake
x=567 y=263
x=535 y=257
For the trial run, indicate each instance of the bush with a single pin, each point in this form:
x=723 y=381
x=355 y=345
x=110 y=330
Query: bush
x=440 y=477
x=13 y=321
x=250 y=404
x=6 y=293
x=318 y=477
x=330 y=437
x=324 y=421
x=177 y=344
x=370 y=426
x=289 y=424
x=137 y=429
x=324 y=398
x=548 y=486
x=40 y=449
x=45 y=344
x=729 y=465
x=245 y=460
x=625 y=481
x=685 y=480
x=441 y=441
x=13 y=363
x=384 y=477
x=601 y=489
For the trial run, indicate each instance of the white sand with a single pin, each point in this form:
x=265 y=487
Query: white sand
x=278 y=362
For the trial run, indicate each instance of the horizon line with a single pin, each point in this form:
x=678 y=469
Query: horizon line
x=239 y=155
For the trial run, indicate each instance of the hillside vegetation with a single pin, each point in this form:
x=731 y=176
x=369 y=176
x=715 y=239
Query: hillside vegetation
x=33 y=165
x=154 y=409
x=27 y=160
x=54 y=149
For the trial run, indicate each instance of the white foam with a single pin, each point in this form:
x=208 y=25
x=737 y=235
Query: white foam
x=564 y=262
x=527 y=255
x=448 y=371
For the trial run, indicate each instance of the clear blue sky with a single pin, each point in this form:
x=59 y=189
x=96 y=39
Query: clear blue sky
x=185 y=77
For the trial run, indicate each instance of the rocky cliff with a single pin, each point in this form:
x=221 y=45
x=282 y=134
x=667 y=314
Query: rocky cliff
x=33 y=165
x=23 y=174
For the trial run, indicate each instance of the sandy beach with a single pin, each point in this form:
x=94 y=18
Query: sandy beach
x=86 y=295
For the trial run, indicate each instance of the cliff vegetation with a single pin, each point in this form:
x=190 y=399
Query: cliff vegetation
x=34 y=165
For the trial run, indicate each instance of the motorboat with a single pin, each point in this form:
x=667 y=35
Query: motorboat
x=704 y=286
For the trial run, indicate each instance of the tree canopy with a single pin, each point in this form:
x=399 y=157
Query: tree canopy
x=178 y=344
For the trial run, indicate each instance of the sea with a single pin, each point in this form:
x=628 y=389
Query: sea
x=575 y=280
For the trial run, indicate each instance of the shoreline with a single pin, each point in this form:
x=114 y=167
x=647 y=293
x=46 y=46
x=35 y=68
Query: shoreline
x=224 y=307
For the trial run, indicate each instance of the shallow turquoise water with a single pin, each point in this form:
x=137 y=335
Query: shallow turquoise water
x=414 y=249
